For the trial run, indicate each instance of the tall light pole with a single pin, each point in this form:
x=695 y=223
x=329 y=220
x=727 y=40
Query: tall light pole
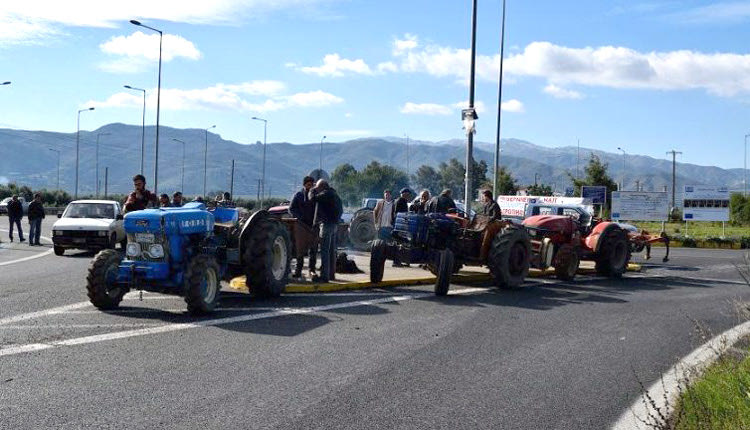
x=263 y=169
x=622 y=176
x=158 y=100
x=744 y=170
x=205 y=160
x=78 y=144
x=58 y=167
x=143 y=123
x=499 y=106
x=97 y=161
x=469 y=116
x=320 y=167
x=674 y=174
x=182 y=181
x=407 y=159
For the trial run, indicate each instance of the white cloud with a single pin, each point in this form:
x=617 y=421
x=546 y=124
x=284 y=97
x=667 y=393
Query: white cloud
x=24 y=21
x=140 y=50
x=512 y=105
x=224 y=97
x=562 y=93
x=408 y=43
x=425 y=109
x=388 y=66
x=335 y=66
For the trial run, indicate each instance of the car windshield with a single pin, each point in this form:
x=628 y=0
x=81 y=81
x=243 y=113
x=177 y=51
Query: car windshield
x=90 y=210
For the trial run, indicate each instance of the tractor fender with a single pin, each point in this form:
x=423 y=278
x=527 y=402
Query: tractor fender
x=250 y=223
x=592 y=240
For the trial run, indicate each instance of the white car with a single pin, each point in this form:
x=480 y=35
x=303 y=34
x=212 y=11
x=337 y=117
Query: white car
x=89 y=224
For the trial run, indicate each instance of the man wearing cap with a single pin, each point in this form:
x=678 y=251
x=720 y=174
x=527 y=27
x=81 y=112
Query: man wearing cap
x=402 y=203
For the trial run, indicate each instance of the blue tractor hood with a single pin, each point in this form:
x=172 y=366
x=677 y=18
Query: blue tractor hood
x=193 y=218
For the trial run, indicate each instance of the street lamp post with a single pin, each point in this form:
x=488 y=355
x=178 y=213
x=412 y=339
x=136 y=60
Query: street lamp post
x=97 y=161
x=622 y=177
x=158 y=100
x=499 y=107
x=407 y=159
x=320 y=167
x=205 y=161
x=263 y=169
x=744 y=170
x=469 y=116
x=143 y=123
x=58 y=167
x=182 y=180
x=78 y=144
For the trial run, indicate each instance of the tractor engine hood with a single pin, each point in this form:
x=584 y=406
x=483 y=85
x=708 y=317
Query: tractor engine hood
x=557 y=223
x=193 y=218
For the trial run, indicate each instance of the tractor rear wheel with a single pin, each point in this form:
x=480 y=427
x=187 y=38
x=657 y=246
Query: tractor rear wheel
x=509 y=257
x=101 y=286
x=614 y=254
x=445 y=265
x=377 y=260
x=201 y=285
x=362 y=229
x=267 y=258
x=566 y=262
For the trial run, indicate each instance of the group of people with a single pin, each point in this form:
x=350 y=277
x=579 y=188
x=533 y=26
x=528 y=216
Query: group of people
x=141 y=198
x=318 y=208
x=35 y=214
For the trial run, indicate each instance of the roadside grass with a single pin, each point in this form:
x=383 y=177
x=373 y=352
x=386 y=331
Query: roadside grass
x=696 y=229
x=720 y=399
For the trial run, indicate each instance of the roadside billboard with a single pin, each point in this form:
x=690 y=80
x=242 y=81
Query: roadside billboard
x=515 y=206
x=596 y=194
x=705 y=203
x=640 y=206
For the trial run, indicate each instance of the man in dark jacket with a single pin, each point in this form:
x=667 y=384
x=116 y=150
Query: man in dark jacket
x=36 y=215
x=442 y=203
x=402 y=203
x=15 y=213
x=303 y=209
x=327 y=213
x=141 y=198
x=490 y=207
x=177 y=199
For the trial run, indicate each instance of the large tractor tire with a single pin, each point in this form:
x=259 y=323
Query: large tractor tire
x=101 y=288
x=377 y=260
x=614 y=254
x=362 y=230
x=509 y=257
x=445 y=265
x=566 y=262
x=267 y=258
x=201 y=285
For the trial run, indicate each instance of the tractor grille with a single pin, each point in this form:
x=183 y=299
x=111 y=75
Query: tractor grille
x=145 y=256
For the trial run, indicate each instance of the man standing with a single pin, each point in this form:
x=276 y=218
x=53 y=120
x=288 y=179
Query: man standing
x=401 y=205
x=177 y=199
x=36 y=215
x=384 y=213
x=303 y=209
x=327 y=212
x=15 y=213
x=141 y=198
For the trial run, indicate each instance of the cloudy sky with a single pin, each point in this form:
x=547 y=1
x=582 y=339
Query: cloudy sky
x=646 y=76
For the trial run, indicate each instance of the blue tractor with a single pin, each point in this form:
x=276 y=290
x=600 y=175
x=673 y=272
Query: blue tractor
x=187 y=251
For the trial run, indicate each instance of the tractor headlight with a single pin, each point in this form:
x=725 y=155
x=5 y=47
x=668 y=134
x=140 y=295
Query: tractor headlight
x=133 y=249
x=102 y=233
x=156 y=251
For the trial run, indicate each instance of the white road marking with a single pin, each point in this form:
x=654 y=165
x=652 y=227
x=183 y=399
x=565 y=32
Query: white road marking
x=665 y=389
x=44 y=313
x=168 y=310
x=166 y=328
x=41 y=254
x=67 y=326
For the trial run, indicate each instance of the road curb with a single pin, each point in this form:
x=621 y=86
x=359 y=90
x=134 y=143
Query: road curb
x=239 y=284
x=661 y=396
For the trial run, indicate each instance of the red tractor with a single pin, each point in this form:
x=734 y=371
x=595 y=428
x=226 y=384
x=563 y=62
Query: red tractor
x=562 y=241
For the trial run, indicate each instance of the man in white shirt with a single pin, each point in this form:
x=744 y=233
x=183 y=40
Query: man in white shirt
x=384 y=213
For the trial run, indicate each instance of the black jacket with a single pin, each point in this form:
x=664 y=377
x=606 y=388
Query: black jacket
x=15 y=209
x=440 y=204
x=36 y=210
x=402 y=205
x=492 y=209
x=326 y=201
x=302 y=207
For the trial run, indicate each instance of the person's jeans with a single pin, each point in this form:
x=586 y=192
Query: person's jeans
x=328 y=251
x=17 y=222
x=35 y=230
x=312 y=257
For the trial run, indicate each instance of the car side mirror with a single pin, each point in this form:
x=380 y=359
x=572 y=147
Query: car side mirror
x=59 y=214
x=119 y=217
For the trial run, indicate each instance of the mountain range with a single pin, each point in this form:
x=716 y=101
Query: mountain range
x=29 y=157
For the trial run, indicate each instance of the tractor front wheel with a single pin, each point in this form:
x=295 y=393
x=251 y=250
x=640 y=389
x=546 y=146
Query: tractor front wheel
x=614 y=254
x=566 y=262
x=201 y=285
x=267 y=258
x=509 y=257
x=101 y=285
x=377 y=260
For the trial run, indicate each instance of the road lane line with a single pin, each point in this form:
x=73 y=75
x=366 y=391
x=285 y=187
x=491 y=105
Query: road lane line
x=41 y=254
x=64 y=326
x=44 y=313
x=14 y=350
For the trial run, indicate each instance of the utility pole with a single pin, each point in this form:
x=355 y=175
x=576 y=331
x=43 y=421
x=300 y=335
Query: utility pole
x=106 y=180
x=578 y=159
x=407 y=159
x=469 y=116
x=674 y=170
x=499 y=107
x=637 y=184
x=231 y=182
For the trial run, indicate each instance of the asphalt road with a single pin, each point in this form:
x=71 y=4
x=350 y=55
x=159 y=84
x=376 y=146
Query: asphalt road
x=549 y=355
